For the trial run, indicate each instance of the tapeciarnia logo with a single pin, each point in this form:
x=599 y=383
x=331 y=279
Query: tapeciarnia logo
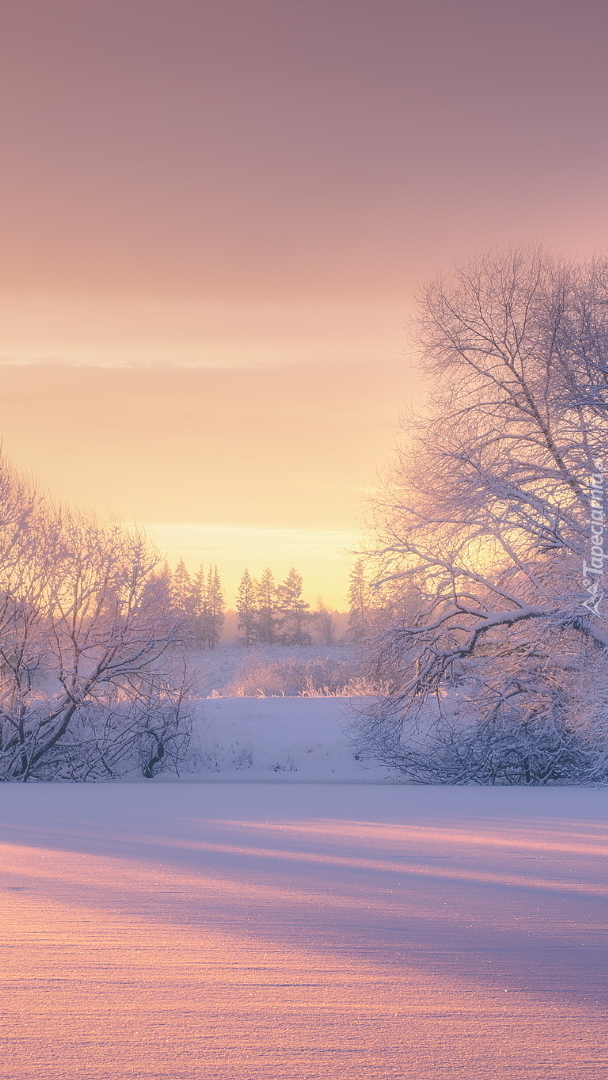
x=593 y=570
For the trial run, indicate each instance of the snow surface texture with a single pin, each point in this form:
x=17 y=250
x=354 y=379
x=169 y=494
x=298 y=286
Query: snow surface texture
x=302 y=932
x=277 y=738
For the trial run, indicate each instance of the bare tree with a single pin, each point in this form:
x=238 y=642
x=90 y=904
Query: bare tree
x=84 y=637
x=486 y=525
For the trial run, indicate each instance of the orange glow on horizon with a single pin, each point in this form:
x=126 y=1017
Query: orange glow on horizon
x=239 y=467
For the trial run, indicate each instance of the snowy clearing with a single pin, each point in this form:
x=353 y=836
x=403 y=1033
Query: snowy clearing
x=302 y=932
x=300 y=739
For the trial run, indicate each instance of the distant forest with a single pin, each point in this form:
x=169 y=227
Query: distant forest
x=267 y=612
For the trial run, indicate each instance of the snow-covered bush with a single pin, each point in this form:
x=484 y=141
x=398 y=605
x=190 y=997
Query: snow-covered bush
x=294 y=676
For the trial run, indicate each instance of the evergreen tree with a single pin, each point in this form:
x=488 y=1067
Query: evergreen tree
x=206 y=606
x=181 y=589
x=246 y=608
x=359 y=602
x=214 y=608
x=267 y=609
x=199 y=606
x=293 y=610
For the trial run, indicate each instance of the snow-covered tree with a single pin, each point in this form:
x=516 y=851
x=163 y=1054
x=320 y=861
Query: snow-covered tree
x=246 y=607
x=85 y=684
x=198 y=604
x=486 y=526
x=360 y=602
x=181 y=588
x=293 y=611
x=325 y=622
x=267 y=617
x=214 y=608
x=206 y=607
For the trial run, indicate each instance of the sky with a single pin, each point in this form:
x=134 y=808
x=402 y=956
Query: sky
x=215 y=216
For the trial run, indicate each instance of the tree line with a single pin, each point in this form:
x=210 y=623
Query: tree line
x=274 y=613
x=198 y=603
x=268 y=612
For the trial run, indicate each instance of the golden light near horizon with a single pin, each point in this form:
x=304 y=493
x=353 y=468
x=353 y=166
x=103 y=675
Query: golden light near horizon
x=322 y=556
x=240 y=467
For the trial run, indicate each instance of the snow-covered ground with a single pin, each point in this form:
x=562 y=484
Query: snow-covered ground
x=232 y=931
x=298 y=738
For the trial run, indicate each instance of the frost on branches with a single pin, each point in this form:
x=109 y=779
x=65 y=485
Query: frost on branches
x=497 y=663
x=85 y=685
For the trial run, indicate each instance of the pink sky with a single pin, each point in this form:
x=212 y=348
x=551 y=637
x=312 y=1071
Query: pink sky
x=259 y=185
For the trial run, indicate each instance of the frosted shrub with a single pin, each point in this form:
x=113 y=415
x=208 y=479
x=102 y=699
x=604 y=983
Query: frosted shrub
x=295 y=677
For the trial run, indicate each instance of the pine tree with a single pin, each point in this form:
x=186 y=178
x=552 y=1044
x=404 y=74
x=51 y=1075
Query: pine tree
x=267 y=610
x=199 y=606
x=207 y=607
x=359 y=602
x=246 y=608
x=293 y=610
x=214 y=608
x=181 y=589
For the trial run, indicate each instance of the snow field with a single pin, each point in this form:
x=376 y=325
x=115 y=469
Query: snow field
x=237 y=931
x=301 y=739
